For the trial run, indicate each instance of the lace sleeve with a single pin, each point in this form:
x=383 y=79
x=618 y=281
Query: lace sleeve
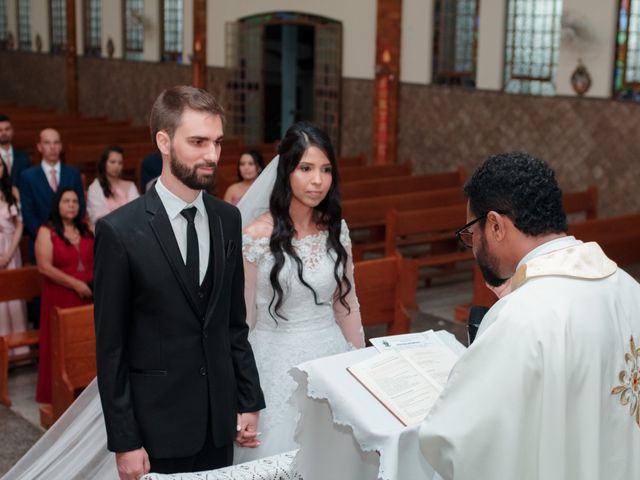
x=252 y=251
x=349 y=318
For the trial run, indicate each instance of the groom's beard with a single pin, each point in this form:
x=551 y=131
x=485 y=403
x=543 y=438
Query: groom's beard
x=189 y=176
x=488 y=265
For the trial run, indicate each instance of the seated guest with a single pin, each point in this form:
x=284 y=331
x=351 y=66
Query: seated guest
x=64 y=254
x=150 y=170
x=16 y=161
x=39 y=184
x=13 y=315
x=109 y=191
x=249 y=167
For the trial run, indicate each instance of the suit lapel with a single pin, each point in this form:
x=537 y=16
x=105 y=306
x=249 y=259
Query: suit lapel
x=163 y=231
x=217 y=253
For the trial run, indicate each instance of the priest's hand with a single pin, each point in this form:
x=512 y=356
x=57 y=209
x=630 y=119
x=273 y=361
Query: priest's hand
x=133 y=465
x=248 y=430
x=502 y=290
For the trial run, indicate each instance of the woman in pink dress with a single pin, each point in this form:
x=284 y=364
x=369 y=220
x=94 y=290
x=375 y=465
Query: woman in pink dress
x=249 y=167
x=64 y=253
x=109 y=191
x=13 y=318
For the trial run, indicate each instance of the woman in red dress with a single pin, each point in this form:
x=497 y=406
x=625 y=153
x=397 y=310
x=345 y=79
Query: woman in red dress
x=64 y=254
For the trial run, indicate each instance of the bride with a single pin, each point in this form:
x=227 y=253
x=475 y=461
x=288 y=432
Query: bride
x=301 y=305
x=299 y=288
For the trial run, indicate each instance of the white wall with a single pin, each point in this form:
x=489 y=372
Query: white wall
x=112 y=27
x=417 y=41
x=187 y=31
x=40 y=23
x=79 y=27
x=491 y=32
x=600 y=18
x=152 y=30
x=358 y=19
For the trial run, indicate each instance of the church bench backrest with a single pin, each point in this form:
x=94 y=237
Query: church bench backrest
x=373 y=211
x=20 y=284
x=378 y=286
x=439 y=223
x=401 y=185
x=354 y=174
x=582 y=201
x=73 y=348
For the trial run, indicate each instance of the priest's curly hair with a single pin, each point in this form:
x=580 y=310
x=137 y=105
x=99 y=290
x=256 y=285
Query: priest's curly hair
x=522 y=186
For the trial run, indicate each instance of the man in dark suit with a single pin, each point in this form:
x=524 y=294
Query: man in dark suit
x=39 y=183
x=176 y=373
x=17 y=161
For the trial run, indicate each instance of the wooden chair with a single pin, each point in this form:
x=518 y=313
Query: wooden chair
x=355 y=161
x=17 y=284
x=73 y=356
x=351 y=174
x=378 y=285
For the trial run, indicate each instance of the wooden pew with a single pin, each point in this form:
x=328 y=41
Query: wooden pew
x=355 y=161
x=425 y=229
x=351 y=174
x=17 y=284
x=618 y=236
x=379 y=288
x=371 y=213
x=402 y=185
x=73 y=356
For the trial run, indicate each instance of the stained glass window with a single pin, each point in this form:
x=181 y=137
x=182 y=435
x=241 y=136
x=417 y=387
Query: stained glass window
x=3 y=24
x=24 y=24
x=172 y=31
x=532 y=44
x=58 y=26
x=133 y=29
x=92 y=27
x=454 y=42
x=626 y=79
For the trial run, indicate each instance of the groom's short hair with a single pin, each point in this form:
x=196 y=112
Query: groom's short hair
x=168 y=108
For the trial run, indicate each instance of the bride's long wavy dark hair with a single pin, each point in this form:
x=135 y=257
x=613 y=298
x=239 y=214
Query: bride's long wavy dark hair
x=328 y=213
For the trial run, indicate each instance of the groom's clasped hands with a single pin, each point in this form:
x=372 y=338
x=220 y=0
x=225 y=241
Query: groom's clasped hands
x=247 y=429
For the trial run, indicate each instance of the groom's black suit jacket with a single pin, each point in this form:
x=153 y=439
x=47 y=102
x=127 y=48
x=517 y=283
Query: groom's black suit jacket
x=168 y=359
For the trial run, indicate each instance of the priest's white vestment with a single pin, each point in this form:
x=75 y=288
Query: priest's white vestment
x=550 y=389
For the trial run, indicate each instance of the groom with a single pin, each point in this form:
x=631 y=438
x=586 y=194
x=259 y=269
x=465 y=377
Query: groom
x=177 y=377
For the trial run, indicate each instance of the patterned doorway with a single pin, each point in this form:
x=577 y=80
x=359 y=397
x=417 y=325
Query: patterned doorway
x=285 y=67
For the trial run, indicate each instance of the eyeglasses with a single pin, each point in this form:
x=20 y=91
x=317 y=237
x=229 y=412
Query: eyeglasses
x=465 y=236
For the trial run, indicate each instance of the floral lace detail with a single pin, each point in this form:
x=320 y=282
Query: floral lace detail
x=254 y=248
x=311 y=249
x=629 y=388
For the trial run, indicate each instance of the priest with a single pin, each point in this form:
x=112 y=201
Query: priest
x=550 y=389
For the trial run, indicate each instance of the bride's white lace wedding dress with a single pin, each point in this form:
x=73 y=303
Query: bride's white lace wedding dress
x=307 y=331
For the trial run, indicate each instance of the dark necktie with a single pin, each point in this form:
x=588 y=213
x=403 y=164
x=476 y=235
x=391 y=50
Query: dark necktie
x=193 y=253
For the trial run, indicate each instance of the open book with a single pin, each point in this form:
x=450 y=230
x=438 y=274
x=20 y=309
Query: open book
x=408 y=374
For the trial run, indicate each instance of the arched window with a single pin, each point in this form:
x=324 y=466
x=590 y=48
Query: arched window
x=172 y=20
x=133 y=13
x=58 y=10
x=92 y=27
x=532 y=44
x=626 y=81
x=454 y=42
x=24 y=25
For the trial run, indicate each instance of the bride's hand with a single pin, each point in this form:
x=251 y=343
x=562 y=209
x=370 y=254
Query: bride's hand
x=248 y=430
x=133 y=464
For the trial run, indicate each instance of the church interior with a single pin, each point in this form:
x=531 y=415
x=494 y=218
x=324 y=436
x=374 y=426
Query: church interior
x=414 y=95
